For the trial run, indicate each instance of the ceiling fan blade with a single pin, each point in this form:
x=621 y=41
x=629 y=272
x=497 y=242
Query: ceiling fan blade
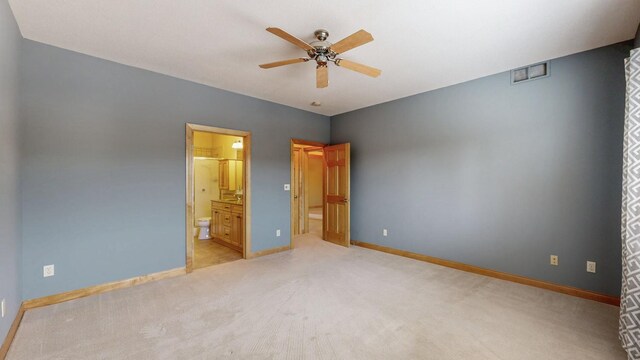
x=363 y=69
x=322 y=76
x=290 y=38
x=354 y=40
x=283 y=62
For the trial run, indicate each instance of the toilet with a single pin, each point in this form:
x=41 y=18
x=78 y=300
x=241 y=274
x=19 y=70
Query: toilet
x=203 y=224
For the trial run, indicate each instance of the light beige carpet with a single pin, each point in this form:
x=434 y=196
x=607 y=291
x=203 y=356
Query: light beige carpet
x=322 y=301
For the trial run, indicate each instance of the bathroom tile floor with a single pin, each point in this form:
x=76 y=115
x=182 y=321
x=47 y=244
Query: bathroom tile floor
x=208 y=253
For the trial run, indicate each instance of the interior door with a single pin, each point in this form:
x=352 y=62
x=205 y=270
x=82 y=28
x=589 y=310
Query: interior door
x=295 y=189
x=337 y=194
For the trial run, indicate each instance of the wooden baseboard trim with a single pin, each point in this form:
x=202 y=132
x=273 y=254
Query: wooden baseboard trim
x=6 y=344
x=568 y=290
x=269 y=251
x=98 y=289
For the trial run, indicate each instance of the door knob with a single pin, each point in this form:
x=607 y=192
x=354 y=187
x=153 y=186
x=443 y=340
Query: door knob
x=295 y=196
x=345 y=200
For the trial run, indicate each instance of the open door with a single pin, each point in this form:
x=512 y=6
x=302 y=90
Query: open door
x=295 y=192
x=336 y=188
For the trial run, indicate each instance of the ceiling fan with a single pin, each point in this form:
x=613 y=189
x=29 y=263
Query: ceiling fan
x=324 y=52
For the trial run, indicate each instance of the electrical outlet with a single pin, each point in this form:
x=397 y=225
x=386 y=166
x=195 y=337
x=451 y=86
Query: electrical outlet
x=48 y=270
x=3 y=308
x=591 y=266
x=384 y=232
x=278 y=232
x=287 y=187
x=553 y=260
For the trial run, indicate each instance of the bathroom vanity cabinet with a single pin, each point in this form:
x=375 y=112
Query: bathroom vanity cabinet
x=237 y=227
x=226 y=224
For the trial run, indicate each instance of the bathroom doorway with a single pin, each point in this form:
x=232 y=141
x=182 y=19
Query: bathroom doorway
x=217 y=196
x=307 y=198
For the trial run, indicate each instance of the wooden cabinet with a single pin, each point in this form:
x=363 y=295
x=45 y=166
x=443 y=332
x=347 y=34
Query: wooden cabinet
x=237 y=227
x=226 y=224
x=223 y=174
x=216 y=222
x=237 y=174
x=230 y=174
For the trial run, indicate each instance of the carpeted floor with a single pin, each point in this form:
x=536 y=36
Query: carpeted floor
x=322 y=301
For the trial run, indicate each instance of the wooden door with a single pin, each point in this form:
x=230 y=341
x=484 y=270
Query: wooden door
x=336 y=189
x=226 y=226
x=216 y=224
x=236 y=228
x=295 y=192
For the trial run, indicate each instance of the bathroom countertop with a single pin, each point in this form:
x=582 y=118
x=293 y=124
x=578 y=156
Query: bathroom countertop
x=233 y=202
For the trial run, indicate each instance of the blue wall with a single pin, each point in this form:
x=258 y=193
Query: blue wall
x=104 y=167
x=499 y=175
x=9 y=168
x=486 y=173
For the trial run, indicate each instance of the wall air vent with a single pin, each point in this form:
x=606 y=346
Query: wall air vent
x=531 y=72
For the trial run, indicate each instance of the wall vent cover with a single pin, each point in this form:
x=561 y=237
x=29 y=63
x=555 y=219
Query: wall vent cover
x=530 y=72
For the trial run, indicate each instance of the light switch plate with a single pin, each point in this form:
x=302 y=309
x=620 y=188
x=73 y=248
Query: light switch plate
x=287 y=187
x=3 y=308
x=278 y=232
x=48 y=270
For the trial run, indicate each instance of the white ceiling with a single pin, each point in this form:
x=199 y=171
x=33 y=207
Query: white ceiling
x=419 y=45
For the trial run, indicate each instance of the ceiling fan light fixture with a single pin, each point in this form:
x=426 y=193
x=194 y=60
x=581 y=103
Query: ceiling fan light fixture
x=316 y=103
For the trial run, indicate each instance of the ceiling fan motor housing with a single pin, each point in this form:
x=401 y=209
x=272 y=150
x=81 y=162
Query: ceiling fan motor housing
x=321 y=53
x=321 y=34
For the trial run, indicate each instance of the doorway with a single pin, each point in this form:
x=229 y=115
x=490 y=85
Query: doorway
x=307 y=197
x=217 y=195
x=320 y=189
